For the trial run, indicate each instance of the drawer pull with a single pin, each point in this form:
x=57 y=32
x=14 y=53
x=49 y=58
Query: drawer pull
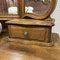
x=26 y=35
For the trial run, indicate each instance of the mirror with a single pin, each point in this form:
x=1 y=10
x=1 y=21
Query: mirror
x=8 y=7
x=37 y=9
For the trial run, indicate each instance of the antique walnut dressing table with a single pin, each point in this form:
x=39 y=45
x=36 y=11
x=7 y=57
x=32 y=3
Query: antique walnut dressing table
x=35 y=24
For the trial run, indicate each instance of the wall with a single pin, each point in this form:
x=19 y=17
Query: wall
x=56 y=16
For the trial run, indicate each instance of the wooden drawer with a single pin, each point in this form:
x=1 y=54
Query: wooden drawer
x=27 y=33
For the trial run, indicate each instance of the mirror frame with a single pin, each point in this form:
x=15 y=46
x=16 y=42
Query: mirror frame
x=47 y=14
x=11 y=15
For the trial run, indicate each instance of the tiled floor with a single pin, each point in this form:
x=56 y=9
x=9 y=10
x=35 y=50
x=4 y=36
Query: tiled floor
x=16 y=51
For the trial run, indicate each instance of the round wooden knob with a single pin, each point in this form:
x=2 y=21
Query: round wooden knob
x=26 y=35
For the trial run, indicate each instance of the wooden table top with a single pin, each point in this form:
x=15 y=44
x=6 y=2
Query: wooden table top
x=31 y=22
x=13 y=55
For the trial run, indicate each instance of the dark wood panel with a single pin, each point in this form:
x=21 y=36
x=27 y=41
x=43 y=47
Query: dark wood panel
x=3 y=6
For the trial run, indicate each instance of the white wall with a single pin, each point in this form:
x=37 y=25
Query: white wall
x=56 y=16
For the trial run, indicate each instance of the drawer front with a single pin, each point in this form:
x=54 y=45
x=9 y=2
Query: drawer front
x=27 y=33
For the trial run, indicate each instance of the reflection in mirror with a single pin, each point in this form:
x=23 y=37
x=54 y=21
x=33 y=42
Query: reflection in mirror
x=29 y=9
x=8 y=7
x=46 y=1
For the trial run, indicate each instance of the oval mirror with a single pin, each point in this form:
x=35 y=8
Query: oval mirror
x=37 y=9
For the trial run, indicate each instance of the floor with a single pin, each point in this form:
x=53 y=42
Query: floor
x=16 y=51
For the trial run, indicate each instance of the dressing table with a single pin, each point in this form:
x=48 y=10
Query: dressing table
x=35 y=24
